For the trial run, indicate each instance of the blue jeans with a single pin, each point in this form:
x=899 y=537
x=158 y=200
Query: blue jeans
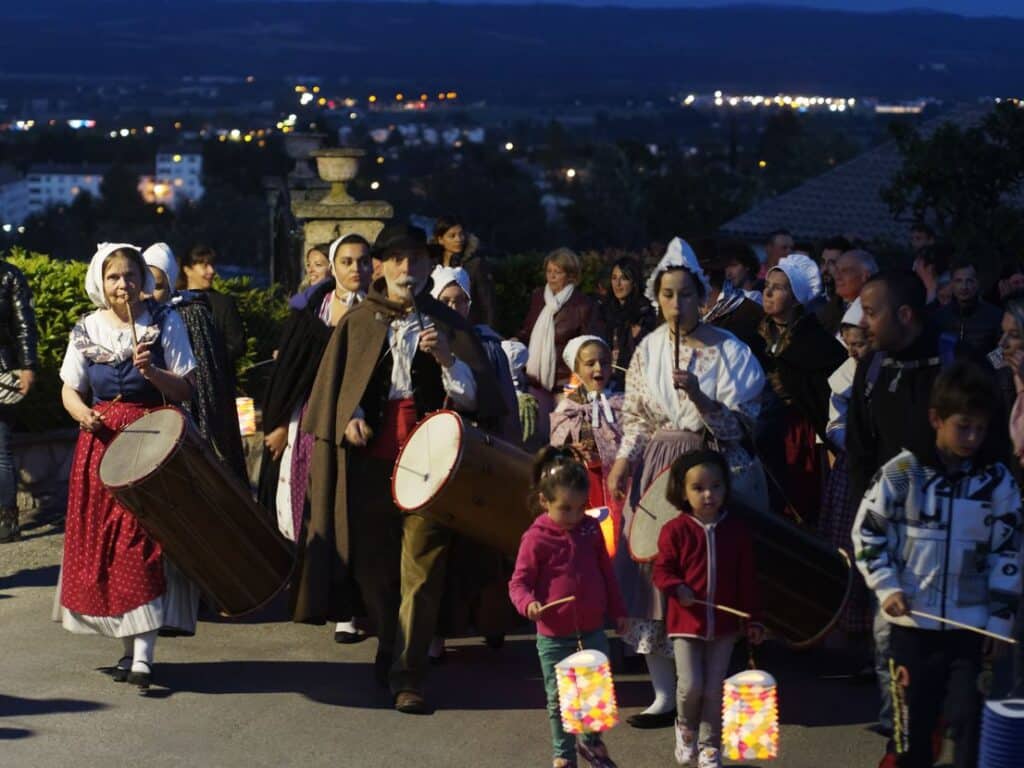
x=8 y=472
x=552 y=650
x=881 y=632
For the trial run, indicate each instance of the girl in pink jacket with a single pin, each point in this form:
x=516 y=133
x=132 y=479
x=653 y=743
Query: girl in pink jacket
x=563 y=555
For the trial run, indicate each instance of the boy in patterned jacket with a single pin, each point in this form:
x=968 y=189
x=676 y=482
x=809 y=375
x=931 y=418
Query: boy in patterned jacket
x=940 y=534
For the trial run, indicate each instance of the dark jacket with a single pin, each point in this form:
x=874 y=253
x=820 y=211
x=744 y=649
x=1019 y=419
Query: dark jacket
x=830 y=313
x=18 y=333
x=228 y=322
x=799 y=366
x=978 y=324
x=889 y=408
x=625 y=324
x=577 y=317
x=744 y=322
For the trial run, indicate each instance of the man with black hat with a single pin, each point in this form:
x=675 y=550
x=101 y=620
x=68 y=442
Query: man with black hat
x=394 y=358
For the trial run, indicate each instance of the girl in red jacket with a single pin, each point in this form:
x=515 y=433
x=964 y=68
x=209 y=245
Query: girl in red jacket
x=705 y=556
x=561 y=555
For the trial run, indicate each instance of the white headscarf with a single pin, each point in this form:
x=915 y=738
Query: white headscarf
x=161 y=256
x=853 y=314
x=94 y=275
x=573 y=347
x=803 y=274
x=443 y=276
x=678 y=254
x=334 y=249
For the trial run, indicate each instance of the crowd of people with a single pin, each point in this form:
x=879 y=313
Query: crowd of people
x=878 y=409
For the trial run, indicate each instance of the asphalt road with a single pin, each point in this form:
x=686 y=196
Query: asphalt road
x=270 y=693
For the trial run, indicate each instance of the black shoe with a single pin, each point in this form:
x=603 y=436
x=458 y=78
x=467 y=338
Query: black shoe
x=140 y=679
x=382 y=670
x=122 y=669
x=349 y=638
x=663 y=720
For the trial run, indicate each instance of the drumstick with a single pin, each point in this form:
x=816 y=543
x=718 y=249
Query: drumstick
x=553 y=603
x=725 y=608
x=110 y=405
x=620 y=368
x=677 y=342
x=131 y=324
x=958 y=625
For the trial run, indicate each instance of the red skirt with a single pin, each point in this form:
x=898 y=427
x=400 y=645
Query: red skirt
x=111 y=565
x=802 y=476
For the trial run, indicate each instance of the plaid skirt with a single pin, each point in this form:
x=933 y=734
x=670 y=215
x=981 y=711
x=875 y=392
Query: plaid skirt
x=838 y=511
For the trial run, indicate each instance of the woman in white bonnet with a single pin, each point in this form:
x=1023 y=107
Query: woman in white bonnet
x=115 y=580
x=687 y=380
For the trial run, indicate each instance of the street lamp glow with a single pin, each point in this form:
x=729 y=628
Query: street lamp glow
x=570 y=173
x=509 y=146
x=374 y=185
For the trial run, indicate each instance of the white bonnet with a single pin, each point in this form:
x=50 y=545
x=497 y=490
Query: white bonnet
x=94 y=275
x=678 y=254
x=573 y=346
x=854 y=313
x=803 y=274
x=443 y=276
x=161 y=256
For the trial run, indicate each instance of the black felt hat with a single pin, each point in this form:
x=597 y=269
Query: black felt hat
x=399 y=237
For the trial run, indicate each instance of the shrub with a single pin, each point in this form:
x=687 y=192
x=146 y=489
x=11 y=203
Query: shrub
x=263 y=310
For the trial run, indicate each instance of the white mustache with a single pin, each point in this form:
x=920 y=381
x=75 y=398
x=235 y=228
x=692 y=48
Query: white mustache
x=406 y=282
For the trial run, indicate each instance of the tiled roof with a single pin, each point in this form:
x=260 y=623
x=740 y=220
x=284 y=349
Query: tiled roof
x=844 y=201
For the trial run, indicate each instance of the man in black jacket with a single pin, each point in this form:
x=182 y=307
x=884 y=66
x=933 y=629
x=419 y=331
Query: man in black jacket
x=889 y=405
x=968 y=317
x=17 y=356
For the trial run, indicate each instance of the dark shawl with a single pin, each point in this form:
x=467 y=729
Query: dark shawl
x=304 y=337
x=618 y=320
x=798 y=367
x=323 y=587
x=212 y=406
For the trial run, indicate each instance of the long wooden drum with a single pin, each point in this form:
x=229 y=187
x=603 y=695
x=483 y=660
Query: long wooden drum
x=203 y=517
x=465 y=478
x=803 y=583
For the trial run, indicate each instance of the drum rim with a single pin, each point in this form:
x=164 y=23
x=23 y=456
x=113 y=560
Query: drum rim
x=170 y=454
x=458 y=459
x=629 y=539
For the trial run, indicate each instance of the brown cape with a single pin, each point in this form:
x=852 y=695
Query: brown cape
x=323 y=589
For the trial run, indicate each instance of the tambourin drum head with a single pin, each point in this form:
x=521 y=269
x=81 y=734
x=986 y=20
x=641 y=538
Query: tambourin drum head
x=141 y=448
x=427 y=460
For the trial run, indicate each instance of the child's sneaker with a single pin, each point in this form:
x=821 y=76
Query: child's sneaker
x=709 y=758
x=686 y=744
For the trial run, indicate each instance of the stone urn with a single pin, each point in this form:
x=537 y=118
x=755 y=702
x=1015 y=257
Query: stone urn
x=338 y=166
x=300 y=147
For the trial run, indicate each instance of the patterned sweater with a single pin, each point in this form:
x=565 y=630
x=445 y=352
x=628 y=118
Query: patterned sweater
x=950 y=542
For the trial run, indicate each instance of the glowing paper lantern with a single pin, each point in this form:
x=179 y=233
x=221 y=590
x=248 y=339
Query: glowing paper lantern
x=246 y=415
x=750 y=716
x=586 y=693
x=603 y=516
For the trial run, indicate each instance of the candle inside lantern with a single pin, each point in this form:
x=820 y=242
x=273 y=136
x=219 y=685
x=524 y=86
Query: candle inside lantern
x=604 y=518
x=750 y=716
x=246 y=415
x=586 y=693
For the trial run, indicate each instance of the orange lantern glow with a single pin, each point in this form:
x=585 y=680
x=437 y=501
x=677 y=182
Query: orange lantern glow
x=246 y=415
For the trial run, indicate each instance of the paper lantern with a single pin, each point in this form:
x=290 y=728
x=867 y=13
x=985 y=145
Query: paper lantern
x=1002 y=734
x=604 y=518
x=750 y=716
x=246 y=415
x=586 y=693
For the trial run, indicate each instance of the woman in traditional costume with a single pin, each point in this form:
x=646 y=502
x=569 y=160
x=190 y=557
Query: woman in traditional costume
x=689 y=384
x=114 y=579
x=287 y=450
x=212 y=406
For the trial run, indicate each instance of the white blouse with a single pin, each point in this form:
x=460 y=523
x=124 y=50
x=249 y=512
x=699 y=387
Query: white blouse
x=117 y=341
x=727 y=371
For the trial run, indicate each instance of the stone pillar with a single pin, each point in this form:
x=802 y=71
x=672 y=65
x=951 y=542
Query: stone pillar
x=325 y=217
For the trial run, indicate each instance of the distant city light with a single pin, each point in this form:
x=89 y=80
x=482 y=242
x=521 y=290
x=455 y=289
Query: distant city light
x=372 y=99
x=21 y=230
x=441 y=96
x=177 y=125
x=77 y=124
x=305 y=98
x=148 y=129
x=399 y=96
x=8 y=227
x=300 y=89
x=423 y=97
x=509 y=146
x=451 y=95
x=570 y=173
x=380 y=160
x=374 y=185
x=321 y=101
x=762 y=164
x=176 y=158
x=352 y=115
x=159 y=209
x=125 y=132
x=690 y=98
